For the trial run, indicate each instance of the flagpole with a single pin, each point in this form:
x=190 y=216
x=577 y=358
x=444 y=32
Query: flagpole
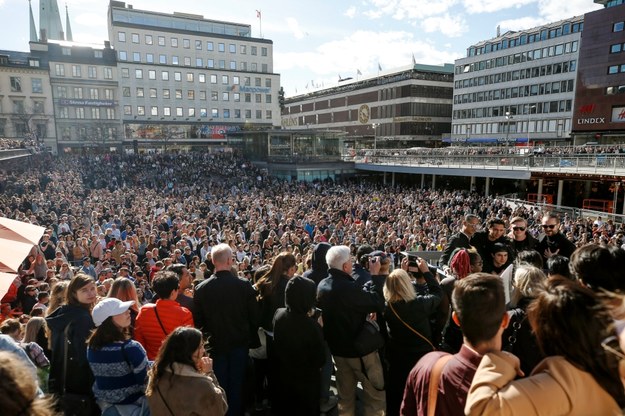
x=260 y=22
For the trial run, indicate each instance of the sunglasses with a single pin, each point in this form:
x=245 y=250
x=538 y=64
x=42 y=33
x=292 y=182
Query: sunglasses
x=549 y=226
x=518 y=228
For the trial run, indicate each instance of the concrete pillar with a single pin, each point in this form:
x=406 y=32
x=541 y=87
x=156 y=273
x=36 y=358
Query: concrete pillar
x=587 y=189
x=384 y=178
x=487 y=188
x=422 y=180
x=472 y=187
x=393 y=179
x=539 y=198
x=433 y=182
x=560 y=188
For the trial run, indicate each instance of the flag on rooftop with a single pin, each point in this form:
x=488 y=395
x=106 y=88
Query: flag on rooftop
x=358 y=72
x=258 y=14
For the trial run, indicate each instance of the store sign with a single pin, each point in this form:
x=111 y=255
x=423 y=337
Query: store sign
x=90 y=103
x=591 y=120
x=290 y=121
x=618 y=115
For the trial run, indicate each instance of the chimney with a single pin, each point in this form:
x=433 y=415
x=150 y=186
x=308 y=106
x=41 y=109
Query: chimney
x=107 y=44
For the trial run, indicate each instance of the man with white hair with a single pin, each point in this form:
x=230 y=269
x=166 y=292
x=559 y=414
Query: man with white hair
x=346 y=307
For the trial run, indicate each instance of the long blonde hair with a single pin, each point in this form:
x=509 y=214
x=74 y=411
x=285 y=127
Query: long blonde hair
x=33 y=326
x=398 y=287
x=57 y=296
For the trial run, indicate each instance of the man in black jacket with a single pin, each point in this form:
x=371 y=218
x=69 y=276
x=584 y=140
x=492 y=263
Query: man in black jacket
x=345 y=309
x=225 y=310
x=462 y=239
x=552 y=241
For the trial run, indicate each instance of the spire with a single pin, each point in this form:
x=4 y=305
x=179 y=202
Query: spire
x=33 y=29
x=50 y=20
x=68 y=28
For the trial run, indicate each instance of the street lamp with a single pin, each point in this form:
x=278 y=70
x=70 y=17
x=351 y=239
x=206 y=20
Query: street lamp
x=529 y=121
x=508 y=118
x=375 y=135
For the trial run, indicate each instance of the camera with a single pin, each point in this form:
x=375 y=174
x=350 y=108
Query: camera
x=413 y=262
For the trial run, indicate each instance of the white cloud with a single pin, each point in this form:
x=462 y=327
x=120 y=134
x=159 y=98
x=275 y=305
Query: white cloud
x=491 y=6
x=523 y=23
x=89 y=20
x=554 y=10
x=451 y=26
x=408 y=9
x=293 y=26
x=351 y=12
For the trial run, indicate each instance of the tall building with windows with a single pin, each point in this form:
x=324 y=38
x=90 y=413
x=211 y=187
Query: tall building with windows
x=187 y=79
x=518 y=86
x=600 y=98
x=406 y=107
x=26 y=110
x=83 y=79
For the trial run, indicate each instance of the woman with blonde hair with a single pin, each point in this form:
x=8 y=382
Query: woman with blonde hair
x=407 y=313
x=57 y=296
x=124 y=290
x=19 y=393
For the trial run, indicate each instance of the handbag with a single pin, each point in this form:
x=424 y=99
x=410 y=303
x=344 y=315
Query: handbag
x=435 y=379
x=368 y=339
x=75 y=404
x=411 y=328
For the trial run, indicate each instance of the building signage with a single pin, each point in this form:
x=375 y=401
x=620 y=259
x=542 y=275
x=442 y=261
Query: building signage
x=618 y=115
x=90 y=103
x=263 y=90
x=412 y=118
x=290 y=121
x=591 y=120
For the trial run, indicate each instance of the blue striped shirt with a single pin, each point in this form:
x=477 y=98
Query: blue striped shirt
x=120 y=377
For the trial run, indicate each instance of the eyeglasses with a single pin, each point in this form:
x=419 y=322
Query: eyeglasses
x=518 y=228
x=611 y=345
x=549 y=226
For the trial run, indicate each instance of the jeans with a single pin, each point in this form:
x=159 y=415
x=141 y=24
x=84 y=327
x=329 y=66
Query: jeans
x=230 y=371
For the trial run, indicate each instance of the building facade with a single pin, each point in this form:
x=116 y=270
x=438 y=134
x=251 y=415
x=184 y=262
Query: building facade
x=187 y=79
x=599 y=114
x=26 y=109
x=410 y=107
x=518 y=87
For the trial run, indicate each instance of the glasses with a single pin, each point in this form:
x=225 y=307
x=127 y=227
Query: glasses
x=549 y=226
x=474 y=225
x=518 y=228
x=611 y=345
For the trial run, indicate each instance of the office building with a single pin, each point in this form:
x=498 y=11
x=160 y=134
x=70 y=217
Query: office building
x=518 y=86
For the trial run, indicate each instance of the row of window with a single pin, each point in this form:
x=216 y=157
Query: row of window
x=517 y=58
x=21 y=129
x=557 y=126
x=95 y=113
x=201 y=78
x=186 y=44
x=68 y=52
x=199 y=62
x=526 y=38
x=203 y=113
x=533 y=72
x=615 y=69
x=179 y=94
x=92 y=71
x=617 y=48
x=89 y=133
x=616 y=89
x=523 y=110
x=80 y=93
x=38 y=107
x=618 y=27
x=546 y=88
x=36 y=85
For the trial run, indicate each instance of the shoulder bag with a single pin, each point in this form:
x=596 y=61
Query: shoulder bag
x=435 y=379
x=390 y=305
x=368 y=339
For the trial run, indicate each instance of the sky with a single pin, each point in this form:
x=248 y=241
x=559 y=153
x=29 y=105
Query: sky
x=316 y=42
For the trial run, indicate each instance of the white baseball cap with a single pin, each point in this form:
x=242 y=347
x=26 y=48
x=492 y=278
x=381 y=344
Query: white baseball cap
x=109 y=307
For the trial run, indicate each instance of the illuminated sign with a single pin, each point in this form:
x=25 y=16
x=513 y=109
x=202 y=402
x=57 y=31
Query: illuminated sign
x=243 y=88
x=91 y=103
x=618 y=115
x=592 y=120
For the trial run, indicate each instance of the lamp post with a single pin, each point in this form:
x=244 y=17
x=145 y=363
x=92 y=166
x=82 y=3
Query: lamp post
x=508 y=118
x=529 y=122
x=375 y=136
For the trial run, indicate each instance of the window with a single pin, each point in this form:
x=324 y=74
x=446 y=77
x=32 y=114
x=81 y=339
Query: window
x=95 y=113
x=236 y=97
x=136 y=57
x=154 y=110
x=257 y=82
x=210 y=63
x=214 y=112
x=268 y=115
x=258 y=98
x=174 y=60
x=213 y=79
x=78 y=92
x=221 y=47
x=254 y=50
x=191 y=112
x=225 y=96
x=189 y=76
x=226 y=113
x=225 y=79
x=209 y=46
x=93 y=94
x=233 y=65
x=177 y=76
x=16 y=84
x=243 y=49
x=235 y=80
x=232 y=48
x=110 y=113
x=127 y=110
x=140 y=92
x=616 y=48
x=254 y=67
x=198 y=45
x=140 y=110
x=202 y=78
x=222 y=64
x=149 y=58
x=167 y=111
x=186 y=43
x=203 y=112
x=178 y=94
x=161 y=41
x=80 y=112
x=149 y=40
x=248 y=97
x=179 y=111
x=214 y=96
x=135 y=37
x=125 y=91
x=76 y=71
x=259 y=114
x=237 y=113
x=248 y=114
x=187 y=61
x=108 y=73
x=92 y=72
x=138 y=73
x=165 y=76
x=263 y=51
x=202 y=95
x=121 y=36
x=162 y=59
x=190 y=95
x=268 y=98
x=268 y=82
x=174 y=42
x=153 y=93
x=618 y=27
x=151 y=74
x=199 y=62
x=166 y=94
x=63 y=112
x=38 y=107
x=123 y=55
x=62 y=92
x=613 y=69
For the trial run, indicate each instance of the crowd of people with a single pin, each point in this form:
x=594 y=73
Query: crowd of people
x=179 y=283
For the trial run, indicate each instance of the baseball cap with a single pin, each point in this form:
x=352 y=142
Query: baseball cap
x=109 y=307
